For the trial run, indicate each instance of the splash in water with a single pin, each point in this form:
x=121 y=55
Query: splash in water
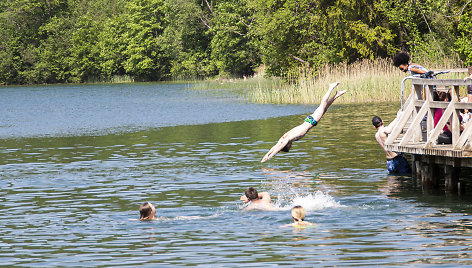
x=317 y=201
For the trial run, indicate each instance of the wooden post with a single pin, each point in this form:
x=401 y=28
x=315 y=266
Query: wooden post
x=461 y=187
x=430 y=173
x=435 y=170
x=413 y=164
x=451 y=178
x=426 y=175
x=469 y=88
x=417 y=168
x=455 y=124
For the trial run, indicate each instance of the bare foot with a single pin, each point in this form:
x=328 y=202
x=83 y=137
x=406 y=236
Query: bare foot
x=328 y=93
x=333 y=85
x=339 y=94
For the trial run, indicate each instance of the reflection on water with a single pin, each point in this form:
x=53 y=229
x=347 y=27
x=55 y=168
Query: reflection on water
x=72 y=200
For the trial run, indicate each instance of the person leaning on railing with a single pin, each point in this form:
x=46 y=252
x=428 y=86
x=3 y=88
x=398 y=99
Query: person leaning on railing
x=402 y=61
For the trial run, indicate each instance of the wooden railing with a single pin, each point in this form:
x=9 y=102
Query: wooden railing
x=408 y=132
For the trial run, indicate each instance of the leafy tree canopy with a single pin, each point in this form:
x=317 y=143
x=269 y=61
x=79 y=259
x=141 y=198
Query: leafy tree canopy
x=57 y=41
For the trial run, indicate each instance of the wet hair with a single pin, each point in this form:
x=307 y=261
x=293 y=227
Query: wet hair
x=298 y=213
x=251 y=193
x=145 y=211
x=376 y=121
x=401 y=58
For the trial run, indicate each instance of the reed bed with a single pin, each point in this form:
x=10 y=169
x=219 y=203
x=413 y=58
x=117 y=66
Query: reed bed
x=365 y=81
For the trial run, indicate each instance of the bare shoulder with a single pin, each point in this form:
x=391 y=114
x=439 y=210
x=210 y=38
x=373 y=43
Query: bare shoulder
x=381 y=133
x=261 y=205
x=265 y=195
x=303 y=224
x=378 y=135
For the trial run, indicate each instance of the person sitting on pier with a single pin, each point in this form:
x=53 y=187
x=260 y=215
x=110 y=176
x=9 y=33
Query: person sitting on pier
x=285 y=142
x=446 y=135
x=466 y=115
x=402 y=61
x=396 y=163
x=256 y=200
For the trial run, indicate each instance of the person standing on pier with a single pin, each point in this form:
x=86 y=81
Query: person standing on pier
x=285 y=142
x=396 y=163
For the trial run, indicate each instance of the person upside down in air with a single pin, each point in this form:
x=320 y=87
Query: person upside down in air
x=285 y=142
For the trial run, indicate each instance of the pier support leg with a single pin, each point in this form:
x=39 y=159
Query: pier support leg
x=436 y=174
x=416 y=168
x=430 y=173
x=451 y=177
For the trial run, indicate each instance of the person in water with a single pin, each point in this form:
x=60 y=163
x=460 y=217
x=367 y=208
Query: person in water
x=298 y=216
x=285 y=142
x=402 y=61
x=256 y=200
x=147 y=212
x=396 y=163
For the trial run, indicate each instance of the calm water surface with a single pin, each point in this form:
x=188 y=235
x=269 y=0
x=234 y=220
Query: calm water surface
x=77 y=161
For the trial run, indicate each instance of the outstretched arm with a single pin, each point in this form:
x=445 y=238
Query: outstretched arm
x=417 y=70
x=296 y=133
x=285 y=142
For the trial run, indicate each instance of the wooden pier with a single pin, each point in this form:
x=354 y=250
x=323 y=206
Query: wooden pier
x=432 y=162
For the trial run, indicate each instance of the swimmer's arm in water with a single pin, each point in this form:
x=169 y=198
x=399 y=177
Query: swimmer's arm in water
x=244 y=199
x=195 y=217
x=296 y=225
x=285 y=225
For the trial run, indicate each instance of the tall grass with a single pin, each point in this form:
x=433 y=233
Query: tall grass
x=365 y=81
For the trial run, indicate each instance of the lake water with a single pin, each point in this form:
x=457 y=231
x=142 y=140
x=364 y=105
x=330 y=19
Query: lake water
x=77 y=161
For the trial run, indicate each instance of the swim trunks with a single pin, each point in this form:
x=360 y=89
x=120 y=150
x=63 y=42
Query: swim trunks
x=311 y=120
x=398 y=165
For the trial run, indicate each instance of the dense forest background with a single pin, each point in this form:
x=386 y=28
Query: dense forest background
x=62 y=41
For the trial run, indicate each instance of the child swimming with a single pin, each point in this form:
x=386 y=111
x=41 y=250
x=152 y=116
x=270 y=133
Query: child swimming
x=147 y=212
x=298 y=216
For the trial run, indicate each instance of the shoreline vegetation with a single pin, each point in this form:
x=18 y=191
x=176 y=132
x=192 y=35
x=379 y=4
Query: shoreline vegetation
x=366 y=81
x=101 y=41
